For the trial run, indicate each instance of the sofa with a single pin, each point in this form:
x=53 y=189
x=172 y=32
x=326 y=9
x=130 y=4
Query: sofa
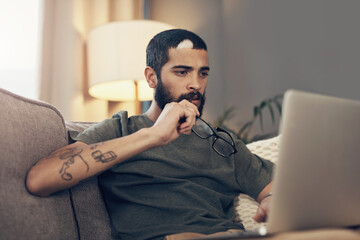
x=32 y=129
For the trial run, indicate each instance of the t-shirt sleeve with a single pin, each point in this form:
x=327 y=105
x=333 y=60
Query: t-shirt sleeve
x=252 y=172
x=103 y=131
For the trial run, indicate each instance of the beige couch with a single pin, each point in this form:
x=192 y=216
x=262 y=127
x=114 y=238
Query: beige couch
x=33 y=129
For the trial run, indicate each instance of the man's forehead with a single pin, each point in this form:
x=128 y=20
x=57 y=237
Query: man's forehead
x=188 y=58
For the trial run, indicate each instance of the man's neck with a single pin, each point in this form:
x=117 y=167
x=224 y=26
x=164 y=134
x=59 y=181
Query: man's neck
x=153 y=112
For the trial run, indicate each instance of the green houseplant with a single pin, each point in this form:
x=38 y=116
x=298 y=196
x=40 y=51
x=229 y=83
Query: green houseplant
x=244 y=131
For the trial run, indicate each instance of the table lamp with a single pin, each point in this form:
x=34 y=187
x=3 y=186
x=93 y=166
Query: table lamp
x=117 y=59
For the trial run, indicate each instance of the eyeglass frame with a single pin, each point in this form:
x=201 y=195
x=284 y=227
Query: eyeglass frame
x=216 y=137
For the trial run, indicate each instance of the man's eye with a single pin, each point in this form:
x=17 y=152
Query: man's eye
x=204 y=74
x=181 y=72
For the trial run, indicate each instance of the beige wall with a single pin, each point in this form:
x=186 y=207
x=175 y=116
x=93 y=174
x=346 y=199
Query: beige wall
x=261 y=48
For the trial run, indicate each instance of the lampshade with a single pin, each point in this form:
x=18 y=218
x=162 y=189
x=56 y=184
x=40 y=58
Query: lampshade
x=117 y=59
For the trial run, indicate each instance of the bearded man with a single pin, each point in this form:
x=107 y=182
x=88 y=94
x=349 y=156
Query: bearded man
x=165 y=172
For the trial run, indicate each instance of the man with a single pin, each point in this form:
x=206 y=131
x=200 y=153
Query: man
x=166 y=171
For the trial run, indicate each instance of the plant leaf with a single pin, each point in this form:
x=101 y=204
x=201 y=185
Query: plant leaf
x=244 y=128
x=256 y=112
x=261 y=121
x=271 y=111
x=228 y=114
x=262 y=104
x=278 y=105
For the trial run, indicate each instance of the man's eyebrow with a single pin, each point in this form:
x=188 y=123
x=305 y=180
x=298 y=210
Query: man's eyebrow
x=182 y=66
x=188 y=67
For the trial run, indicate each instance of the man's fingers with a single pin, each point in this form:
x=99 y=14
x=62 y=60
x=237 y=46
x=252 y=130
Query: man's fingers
x=260 y=215
x=191 y=106
x=177 y=118
x=188 y=121
x=263 y=210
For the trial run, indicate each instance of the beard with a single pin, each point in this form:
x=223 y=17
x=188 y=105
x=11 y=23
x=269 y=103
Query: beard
x=163 y=97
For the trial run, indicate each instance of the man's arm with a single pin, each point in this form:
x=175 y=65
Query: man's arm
x=71 y=164
x=264 y=199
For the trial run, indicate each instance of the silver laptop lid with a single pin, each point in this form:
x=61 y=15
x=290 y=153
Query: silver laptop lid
x=317 y=180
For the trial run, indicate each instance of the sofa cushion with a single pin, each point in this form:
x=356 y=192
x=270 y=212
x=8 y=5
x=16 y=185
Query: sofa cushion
x=91 y=214
x=30 y=130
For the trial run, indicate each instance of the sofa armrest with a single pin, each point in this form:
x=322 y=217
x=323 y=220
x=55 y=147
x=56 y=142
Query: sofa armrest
x=30 y=130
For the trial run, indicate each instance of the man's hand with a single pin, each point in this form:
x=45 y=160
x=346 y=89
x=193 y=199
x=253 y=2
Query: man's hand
x=175 y=119
x=263 y=210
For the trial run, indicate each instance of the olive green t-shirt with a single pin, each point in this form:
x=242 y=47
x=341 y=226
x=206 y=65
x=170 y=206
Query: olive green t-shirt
x=184 y=186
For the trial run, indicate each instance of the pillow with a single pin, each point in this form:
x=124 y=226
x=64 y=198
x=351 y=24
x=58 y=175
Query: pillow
x=74 y=128
x=245 y=206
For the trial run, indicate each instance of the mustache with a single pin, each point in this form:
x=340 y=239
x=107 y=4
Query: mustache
x=191 y=96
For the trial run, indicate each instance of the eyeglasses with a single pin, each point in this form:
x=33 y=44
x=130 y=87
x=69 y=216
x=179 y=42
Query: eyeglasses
x=223 y=142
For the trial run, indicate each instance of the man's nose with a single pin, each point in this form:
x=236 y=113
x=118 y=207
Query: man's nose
x=194 y=84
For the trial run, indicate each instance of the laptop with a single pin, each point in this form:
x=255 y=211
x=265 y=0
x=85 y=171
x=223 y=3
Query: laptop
x=317 y=178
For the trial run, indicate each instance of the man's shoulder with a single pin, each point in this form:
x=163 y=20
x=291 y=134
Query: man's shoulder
x=120 y=115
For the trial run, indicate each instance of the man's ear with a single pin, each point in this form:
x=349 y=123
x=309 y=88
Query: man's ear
x=150 y=76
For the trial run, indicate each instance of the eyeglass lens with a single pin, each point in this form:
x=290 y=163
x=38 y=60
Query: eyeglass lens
x=223 y=143
x=202 y=129
x=222 y=146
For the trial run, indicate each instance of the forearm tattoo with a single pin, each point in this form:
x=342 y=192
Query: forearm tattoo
x=69 y=155
x=103 y=157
